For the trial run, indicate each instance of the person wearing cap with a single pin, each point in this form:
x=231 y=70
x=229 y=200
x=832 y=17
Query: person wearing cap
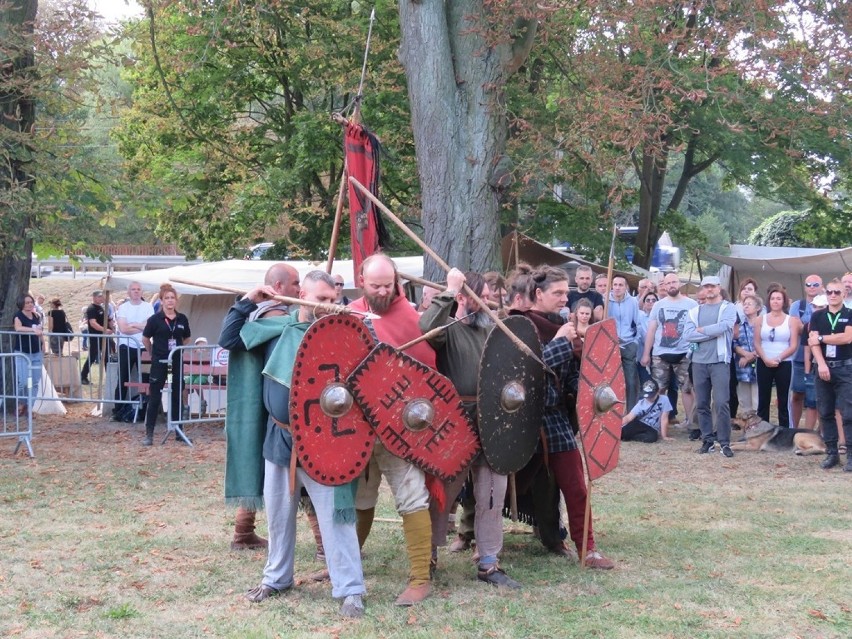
x=97 y=326
x=710 y=326
x=830 y=339
x=649 y=419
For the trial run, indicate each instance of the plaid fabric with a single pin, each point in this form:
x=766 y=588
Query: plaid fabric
x=559 y=355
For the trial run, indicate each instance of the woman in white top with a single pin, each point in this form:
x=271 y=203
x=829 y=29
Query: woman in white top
x=776 y=338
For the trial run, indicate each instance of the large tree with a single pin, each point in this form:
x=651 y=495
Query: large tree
x=759 y=88
x=17 y=179
x=458 y=57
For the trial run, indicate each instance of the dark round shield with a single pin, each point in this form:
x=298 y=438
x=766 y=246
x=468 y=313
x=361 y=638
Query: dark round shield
x=331 y=437
x=415 y=412
x=511 y=396
x=600 y=398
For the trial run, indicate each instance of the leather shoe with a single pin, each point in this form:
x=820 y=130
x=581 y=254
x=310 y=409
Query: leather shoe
x=261 y=593
x=460 y=543
x=413 y=595
x=831 y=460
x=497 y=577
x=564 y=550
x=596 y=560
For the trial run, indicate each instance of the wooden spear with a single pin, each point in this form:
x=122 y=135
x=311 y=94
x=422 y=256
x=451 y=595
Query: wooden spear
x=327 y=308
x=467 y=290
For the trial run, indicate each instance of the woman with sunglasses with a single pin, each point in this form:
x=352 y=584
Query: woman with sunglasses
x=776 y=338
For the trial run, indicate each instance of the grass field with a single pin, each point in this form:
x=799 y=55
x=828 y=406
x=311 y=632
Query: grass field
x=102 y=538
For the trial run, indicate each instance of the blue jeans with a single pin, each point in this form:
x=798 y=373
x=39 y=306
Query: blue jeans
x=631 y=375
x=23 y=373
x=712 y=382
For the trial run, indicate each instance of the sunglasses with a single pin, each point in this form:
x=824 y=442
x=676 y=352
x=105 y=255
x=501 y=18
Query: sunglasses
x=338 y=284
x=833 y=292
x=812 y=284
x=772 y=335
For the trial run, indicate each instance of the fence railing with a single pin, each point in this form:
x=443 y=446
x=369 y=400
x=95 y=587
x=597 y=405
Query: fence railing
x=110 y=372
x=16 y=379
x=115 y=263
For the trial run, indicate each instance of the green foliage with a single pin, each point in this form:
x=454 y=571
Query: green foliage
x=239 y=139
x=782 y=229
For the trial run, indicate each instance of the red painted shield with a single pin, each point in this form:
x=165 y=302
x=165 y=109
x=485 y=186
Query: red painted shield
x=415 y=411
x=331 y=437
x=600 y=368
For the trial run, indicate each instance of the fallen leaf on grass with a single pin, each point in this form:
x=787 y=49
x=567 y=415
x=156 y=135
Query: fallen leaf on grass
x=412 y=620
x=678 y=606
x=819 y=614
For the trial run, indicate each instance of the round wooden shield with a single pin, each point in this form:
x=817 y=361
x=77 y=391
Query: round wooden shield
x=510 y=397
x=600 y=398
x=331 y=437
x=415 y=412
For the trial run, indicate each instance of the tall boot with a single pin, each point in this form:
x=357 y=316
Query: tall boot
x=418 y=541
x=363 y=524
x=244 y=537
x=314 y=522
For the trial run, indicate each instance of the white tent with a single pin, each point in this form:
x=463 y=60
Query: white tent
x=206 y=308
x=788 y=266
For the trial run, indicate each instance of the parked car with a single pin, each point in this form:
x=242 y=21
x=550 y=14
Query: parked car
x=257 y=251
x=39 y=271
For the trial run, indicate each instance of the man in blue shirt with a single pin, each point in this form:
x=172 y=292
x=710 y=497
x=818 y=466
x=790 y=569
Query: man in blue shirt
x=625 y=310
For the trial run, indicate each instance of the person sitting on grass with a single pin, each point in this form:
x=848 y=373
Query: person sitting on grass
x=649 y=419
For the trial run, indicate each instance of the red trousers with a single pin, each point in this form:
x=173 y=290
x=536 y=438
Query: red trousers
x=567 y=469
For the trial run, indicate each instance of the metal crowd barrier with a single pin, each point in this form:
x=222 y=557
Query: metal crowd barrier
x=202 y=382
x=72 y=360
x=17 y=423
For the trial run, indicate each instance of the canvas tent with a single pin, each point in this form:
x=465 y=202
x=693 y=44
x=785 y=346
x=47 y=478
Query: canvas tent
x=205 y=307
x=517 y=247
x=788 y=266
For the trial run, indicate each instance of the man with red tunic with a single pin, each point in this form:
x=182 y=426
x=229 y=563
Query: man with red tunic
x=397 y=325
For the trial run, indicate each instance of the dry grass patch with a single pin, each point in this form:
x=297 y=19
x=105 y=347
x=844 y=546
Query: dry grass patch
x=102 y=538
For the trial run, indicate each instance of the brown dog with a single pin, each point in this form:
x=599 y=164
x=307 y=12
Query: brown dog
x=761 y=435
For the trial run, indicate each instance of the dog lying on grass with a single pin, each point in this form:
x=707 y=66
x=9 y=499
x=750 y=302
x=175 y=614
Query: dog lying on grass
x=763 y=436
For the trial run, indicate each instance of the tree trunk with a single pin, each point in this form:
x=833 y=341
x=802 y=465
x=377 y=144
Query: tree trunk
x=456 y=79
x=17 y=116
x=652 y=177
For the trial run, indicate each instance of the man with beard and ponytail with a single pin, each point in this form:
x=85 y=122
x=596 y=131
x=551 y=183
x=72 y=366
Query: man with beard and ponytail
x=397 y=325
x=457 y=348
x=278 y=342
x=548 y=293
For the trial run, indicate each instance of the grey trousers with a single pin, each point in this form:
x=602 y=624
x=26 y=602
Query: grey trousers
x=712 y=383
x=342 y=555
x=489 y=490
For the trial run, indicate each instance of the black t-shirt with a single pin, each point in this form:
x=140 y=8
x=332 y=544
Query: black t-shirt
x=825 y=322
x=58 y=321
x=160 y=330
x=95 y=312
x=27 y=342
x=592 y=295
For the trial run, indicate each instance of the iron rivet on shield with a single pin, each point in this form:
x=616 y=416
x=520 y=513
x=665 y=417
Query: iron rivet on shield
x=605 y=399
x=513 y=396
x=418 y=414
x=335 y=400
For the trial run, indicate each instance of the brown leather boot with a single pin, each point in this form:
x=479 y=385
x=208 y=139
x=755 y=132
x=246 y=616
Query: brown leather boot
x=244 y=537
x=418 y=542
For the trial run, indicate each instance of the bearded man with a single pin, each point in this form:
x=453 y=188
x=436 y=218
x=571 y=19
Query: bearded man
x=397 y=324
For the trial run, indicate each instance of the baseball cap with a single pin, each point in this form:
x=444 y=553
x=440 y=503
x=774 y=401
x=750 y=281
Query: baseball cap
x=649 y=388
x=711 y=279
x=200 y=340
x=97 y=292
